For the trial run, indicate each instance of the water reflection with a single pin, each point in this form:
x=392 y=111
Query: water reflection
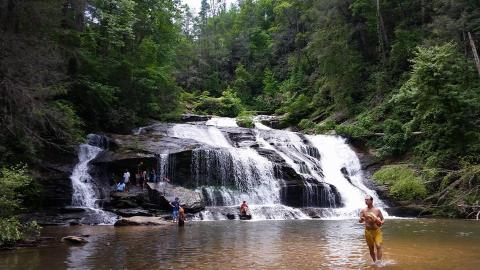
x=289 y=244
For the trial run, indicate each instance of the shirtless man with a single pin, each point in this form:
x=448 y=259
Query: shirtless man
x=243 y=208
x=373 y=219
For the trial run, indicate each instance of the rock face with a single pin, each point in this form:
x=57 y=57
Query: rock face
x=55 y=181
x=162 y=194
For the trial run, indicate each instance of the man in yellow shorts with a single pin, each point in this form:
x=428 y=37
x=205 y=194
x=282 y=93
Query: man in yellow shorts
x=373 y=219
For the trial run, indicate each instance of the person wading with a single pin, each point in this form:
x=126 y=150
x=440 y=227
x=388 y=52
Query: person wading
x=176 y=207
x=373 y=219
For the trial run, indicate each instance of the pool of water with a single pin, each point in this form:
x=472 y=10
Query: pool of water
x=288 y=244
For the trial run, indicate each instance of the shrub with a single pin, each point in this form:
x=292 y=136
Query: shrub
x=228 y=105
x=354 y=131
x=404 y=183
x=14 y=184
x=12 y=181
x=325 y=126
x=306 y=124
x=11 y=230
x=245 y=119
x=298 y=108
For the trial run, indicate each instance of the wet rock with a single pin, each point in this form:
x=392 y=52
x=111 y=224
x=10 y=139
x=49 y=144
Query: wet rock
x=54 y=178
x=142 y=221
x=298 y=194
x=74 y=239
x=133 y=199
x=272 y=121
x=242 y=137
x=408 y=211
x=230 y=216
x=162 y=194
x=74 y=223
x=71 y=209
x=195 y=118
x=132 y=212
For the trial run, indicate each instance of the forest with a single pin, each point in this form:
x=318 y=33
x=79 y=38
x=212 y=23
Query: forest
x=400 y=77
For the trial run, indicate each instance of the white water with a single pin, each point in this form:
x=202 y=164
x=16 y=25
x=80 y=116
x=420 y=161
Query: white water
x=250 y=173
x=339 y=155
x=319 y=157
x=84 y=194
x=222 y=122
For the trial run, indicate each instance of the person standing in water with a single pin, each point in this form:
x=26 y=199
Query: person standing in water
x=373 y=219
x=176 y=207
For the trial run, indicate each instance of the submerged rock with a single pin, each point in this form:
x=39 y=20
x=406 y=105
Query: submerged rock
x=74 y=239
x=142 y=221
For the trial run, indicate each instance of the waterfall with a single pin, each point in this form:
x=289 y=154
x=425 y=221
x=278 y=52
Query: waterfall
x=328 y=173
x=84 y=188
x=227 y=175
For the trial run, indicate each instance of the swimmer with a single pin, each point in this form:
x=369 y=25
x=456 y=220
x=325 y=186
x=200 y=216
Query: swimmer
x=373 y=219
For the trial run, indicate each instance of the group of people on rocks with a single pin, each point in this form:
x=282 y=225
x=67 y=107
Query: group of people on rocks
x=141 y=178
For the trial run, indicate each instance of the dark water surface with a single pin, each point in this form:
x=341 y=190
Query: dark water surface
x=289 y=244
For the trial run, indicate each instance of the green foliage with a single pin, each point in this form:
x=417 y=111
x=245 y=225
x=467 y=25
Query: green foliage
x=306 y=124
x=245 y=119
x=441 y=93
x=395 y=138
x=241 y=83
x=13 y=181
x=11 y=230
x=298 y=108
x=353 y=130
x=228 y=104
x=404 y=183
x=15 y=184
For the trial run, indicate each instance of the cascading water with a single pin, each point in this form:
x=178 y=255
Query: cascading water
x=84 y=191
x=226 y=174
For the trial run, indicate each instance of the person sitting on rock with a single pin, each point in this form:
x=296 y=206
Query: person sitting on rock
x=243 y=208
x=121 y=187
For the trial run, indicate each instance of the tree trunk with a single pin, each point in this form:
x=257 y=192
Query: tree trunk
x=382 y=35
x=474 y=51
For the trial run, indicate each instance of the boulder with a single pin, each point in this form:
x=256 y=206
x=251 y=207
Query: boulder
x=142 y=221
x=162 y=194
x=133 y=199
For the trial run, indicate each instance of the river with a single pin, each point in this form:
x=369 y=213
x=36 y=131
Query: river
x=282 y=244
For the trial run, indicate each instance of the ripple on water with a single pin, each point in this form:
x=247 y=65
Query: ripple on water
x=306 y=244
